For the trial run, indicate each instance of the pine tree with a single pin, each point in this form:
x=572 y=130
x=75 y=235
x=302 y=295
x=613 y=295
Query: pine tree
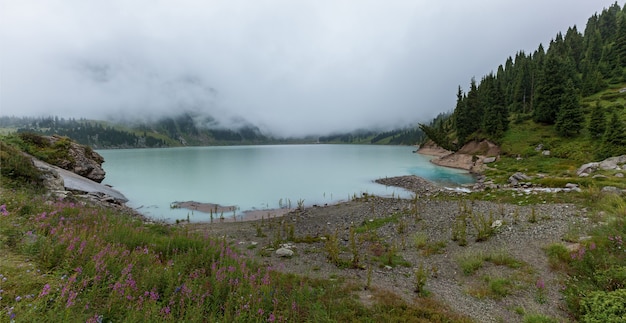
x=597 y=123
x=570 y=118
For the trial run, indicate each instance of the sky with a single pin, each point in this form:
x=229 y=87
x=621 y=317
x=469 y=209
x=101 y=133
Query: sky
x=290 y=67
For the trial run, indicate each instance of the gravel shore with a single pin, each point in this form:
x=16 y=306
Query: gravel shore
x=522 y=233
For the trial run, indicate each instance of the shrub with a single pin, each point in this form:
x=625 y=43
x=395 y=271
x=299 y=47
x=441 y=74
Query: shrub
x=16 y=167
x=601 y=306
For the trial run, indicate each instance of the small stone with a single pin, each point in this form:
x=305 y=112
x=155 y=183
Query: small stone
x=545 y=153
x=488 y=160
x=620 y=175
x=571 y=185
x=496 y=224
x=611 y=189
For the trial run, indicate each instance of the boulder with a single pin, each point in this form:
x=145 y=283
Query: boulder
x=516 y=178
x=284 y=252
x=612 y=162
x=545 y=153
x=587 y=169
x=611 y=189
x=620 y=175
x=571 y=185
x=488 y=160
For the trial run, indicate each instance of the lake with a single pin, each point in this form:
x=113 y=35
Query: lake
x=261 y=177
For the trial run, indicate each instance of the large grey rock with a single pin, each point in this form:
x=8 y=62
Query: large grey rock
x=74 y=182
x=611 y=189
x=587 y=169
x=488 y=160
x=518 y=177
x=613 y=162
x=284 y=252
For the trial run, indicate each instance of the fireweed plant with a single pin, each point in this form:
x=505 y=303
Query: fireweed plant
x=96 y=265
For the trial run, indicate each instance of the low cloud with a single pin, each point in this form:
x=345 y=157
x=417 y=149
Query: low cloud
x=293 y=68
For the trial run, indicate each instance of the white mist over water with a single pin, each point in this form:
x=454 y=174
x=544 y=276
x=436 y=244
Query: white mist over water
x=261 y=177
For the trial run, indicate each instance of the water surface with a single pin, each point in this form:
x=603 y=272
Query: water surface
x=261 y=177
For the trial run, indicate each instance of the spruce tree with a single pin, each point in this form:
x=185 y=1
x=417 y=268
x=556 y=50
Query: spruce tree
x=463 y=119
x=597 y=122
x=570 y=118
x=614 y=141
x=551 y=89
x=495 y=119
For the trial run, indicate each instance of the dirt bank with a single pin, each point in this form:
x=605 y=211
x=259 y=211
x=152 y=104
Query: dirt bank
x=470 y=157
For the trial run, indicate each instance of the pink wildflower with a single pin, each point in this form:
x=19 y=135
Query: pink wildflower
x=45 y=290
x=540 y=284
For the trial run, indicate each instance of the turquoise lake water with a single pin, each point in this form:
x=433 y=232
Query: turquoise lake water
x=262 y=177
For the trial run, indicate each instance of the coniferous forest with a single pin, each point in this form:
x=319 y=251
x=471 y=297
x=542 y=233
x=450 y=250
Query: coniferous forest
x=546 y=86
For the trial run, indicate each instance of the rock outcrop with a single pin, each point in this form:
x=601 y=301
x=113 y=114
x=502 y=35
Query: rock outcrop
x=472 y=156
x=81 y=160
x=58 y=181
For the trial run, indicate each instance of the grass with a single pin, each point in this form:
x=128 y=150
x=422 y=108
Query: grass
x=377 y=223
x=494 y=288
x=497 y=286
x=470 y=262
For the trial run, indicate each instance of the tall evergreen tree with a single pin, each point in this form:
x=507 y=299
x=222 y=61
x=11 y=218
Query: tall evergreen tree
x=574 y=43
x=570 y=118
x=614 y=141
x=597 y=122
x=495 y=119
x=462 y=116
x=550 y=91
x=474 y=108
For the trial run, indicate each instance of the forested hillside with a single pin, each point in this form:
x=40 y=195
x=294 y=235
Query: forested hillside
x=574 y=87
x=187 y=130
x=182 y=130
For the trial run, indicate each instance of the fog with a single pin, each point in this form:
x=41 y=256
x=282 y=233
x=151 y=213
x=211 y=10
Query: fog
x=289 y=67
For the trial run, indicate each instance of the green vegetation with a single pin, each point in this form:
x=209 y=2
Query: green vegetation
x=472 y=262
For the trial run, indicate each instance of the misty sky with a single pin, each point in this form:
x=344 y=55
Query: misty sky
x=290 y=67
